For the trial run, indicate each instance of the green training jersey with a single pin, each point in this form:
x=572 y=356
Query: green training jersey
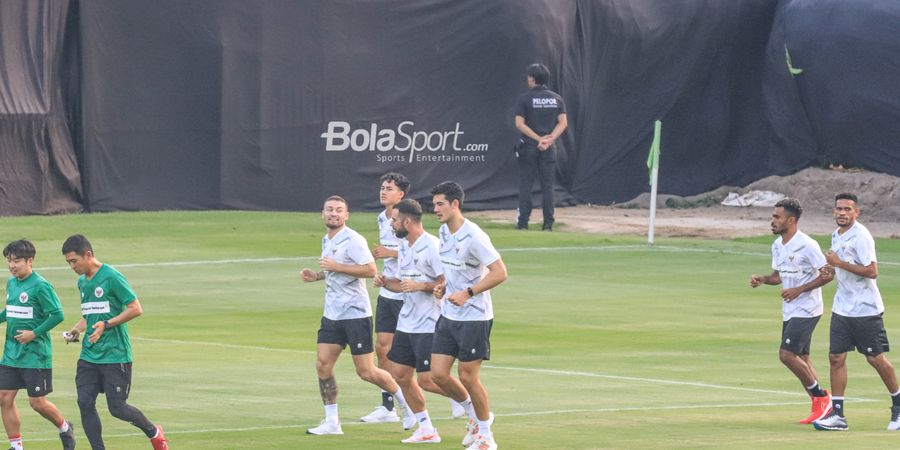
x=102 y=298
x=29 y=303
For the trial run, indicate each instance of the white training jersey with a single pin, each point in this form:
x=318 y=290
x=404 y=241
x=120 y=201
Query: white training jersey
x=856 y=296
x=798 y=262
x=346 y=296
x=422 y=263
x=390 y=241
x=465 y=256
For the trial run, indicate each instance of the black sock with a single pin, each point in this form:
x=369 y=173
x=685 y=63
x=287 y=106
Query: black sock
x=387 y=400
x=838 y=404
x=816 y=391
x=895 y=400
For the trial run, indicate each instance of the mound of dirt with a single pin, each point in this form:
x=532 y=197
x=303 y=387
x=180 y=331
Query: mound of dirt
x=815 y=188
x=703 y=216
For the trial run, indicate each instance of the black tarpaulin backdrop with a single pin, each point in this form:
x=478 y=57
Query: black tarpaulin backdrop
x=126 y=105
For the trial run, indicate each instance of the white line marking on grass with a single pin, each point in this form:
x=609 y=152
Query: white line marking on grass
x=521 y=414
x=202 y=262
x=516 y=369
x=223 y=345
x=654 y=381
x=607 y=248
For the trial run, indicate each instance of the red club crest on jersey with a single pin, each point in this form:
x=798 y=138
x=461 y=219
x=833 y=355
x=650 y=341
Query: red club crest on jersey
x=98 y=292
x=23 y=297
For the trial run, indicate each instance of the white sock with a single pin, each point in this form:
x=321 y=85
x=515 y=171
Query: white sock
x=469 y=407
x=64 y=427
x=331 y=413
x=424 y=421
x=16 y=443
x=895 y=394
x=484 y=429
x=401 y=400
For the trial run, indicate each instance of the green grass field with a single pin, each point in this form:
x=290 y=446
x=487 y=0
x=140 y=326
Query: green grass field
x=598 y=342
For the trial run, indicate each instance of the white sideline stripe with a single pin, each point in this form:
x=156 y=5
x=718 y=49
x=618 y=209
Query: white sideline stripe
x=656 y=381
x=222 y=345
x=522 y=414
x=516 y=369
x=589 y=248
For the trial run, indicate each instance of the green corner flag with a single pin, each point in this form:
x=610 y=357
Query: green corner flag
x=653 y=157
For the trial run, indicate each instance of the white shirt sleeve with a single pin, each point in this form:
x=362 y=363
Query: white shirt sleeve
x=434 y=258
x=865 y=250
x=358 y=251
x=484 y=250
x=815 y=255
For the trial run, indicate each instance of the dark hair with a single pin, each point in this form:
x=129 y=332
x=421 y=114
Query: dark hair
x=401 y=181
x=338 y=198
x=77 y=243
x=846 y=196
x=22 y=248
x=791 y=206
x=410 y=208
x=539 y=72
x=451 y=190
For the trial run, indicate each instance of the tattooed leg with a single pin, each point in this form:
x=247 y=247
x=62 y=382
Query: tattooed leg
x=329 y=391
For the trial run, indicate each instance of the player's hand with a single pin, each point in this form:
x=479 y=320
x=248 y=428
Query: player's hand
x=833 y=259
x=99 y=328
x=378 y=280
x=438 y=291
x=380 y=252
x=70 y=336
x=458 y=298
x=826 y=273
x=25 y=336
x=755 y=280
x=328 y=264
x=409 y=285
x=790 y=294
x=308 y=275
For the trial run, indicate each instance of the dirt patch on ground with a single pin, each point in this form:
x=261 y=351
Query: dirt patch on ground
x=703 y=216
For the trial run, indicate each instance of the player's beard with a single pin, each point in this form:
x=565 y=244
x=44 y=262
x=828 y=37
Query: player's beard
x=401 y=233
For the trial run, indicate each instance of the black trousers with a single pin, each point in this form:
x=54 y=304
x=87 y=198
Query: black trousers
x=535 y=163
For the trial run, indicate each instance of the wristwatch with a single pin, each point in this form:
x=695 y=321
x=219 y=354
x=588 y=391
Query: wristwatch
x=106 y=325
x=470 y=291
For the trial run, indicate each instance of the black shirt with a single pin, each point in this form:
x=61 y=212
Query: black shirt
x=540 y=107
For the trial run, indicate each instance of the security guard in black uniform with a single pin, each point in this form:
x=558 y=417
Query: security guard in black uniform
x=541 y=118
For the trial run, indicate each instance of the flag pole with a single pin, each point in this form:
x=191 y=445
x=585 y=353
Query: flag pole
x=653 y=165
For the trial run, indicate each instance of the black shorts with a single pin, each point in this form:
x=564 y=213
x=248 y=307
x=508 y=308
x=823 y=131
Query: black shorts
x=357 y=333
x=38 y=382
x=796 y=334
x=386 y=313
x=412 y=349
x=114 y=379
x=464 y=340
x=865 y=334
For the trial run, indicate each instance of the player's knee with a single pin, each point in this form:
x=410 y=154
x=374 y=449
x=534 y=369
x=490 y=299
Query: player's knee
x=7 y=398
x=440 y=378
x=39 y=404
x=323 y=368
x=879 y=362
x=366 y=374
x=786 y=356
x=428 y=384
x=87 y=403
x=117 y=408
x=468 y=379
x=837 y=360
